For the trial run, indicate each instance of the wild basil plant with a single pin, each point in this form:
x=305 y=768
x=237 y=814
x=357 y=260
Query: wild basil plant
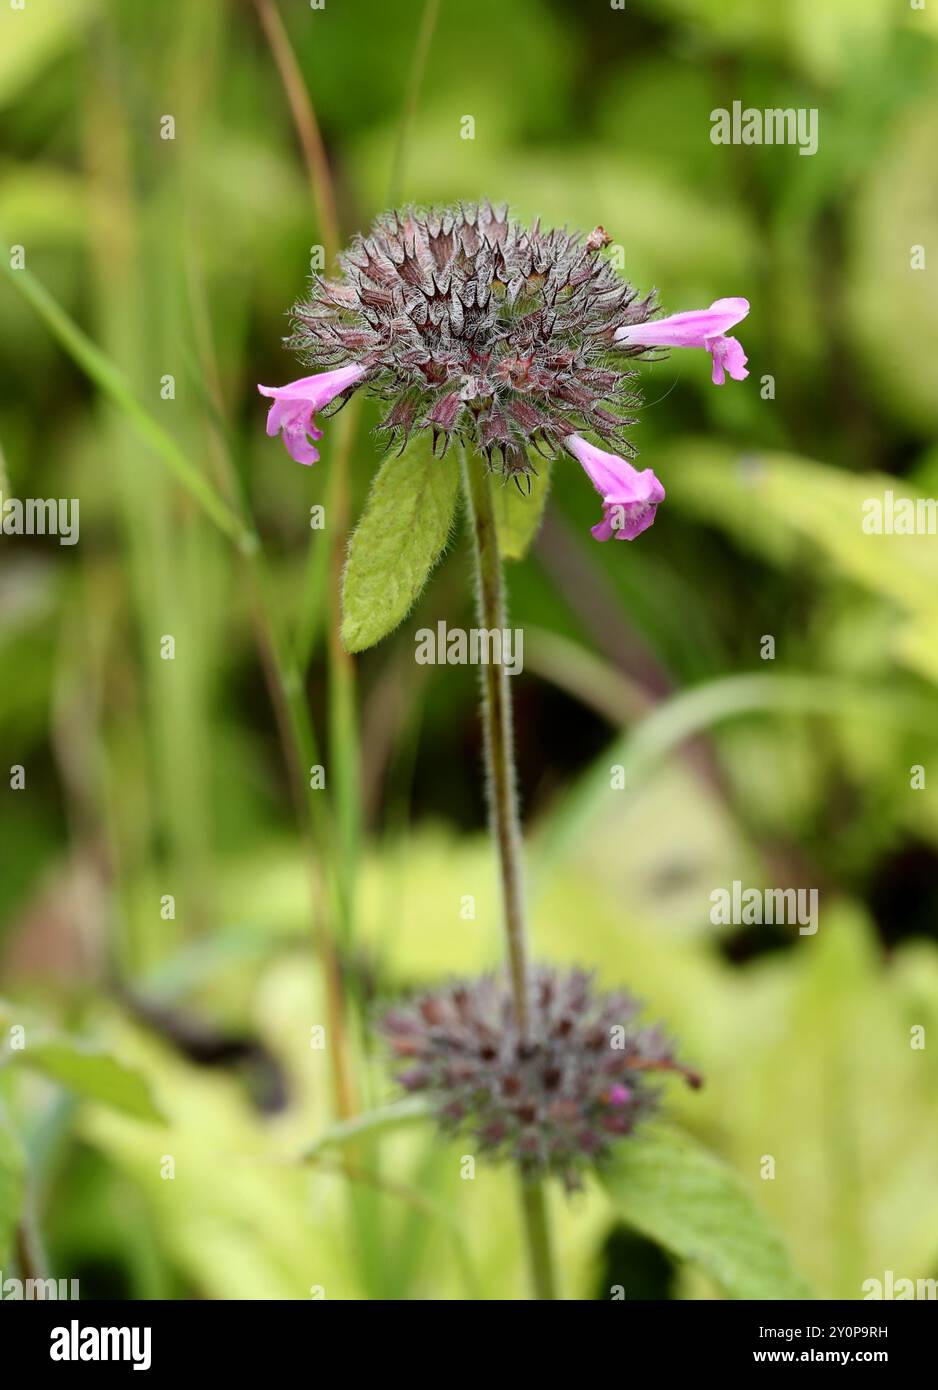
x=505 y=347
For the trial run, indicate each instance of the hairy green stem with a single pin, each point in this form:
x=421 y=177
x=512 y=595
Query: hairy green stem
x=499 y=744
x=506 y=825
x=537 y=1231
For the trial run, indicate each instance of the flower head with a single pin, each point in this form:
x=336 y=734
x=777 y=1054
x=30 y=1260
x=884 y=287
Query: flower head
x=630 y=498
x=510 y=339
x=296 y=403
x=552 y=1102
x=474 y=327
x=704 y=328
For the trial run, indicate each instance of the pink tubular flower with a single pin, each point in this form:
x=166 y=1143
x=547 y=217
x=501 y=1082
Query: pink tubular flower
x=630 y=498
x=296 y=403
x=704 y=328
x=619 y=1094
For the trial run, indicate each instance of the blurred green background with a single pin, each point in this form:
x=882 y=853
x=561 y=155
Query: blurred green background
x=149 y=778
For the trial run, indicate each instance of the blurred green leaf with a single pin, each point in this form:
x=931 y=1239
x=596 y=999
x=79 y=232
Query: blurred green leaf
x=398 y=540
x=771 y=500
x=663 y=730
x=672 y=1190
x=402 y=1112
x=518 y=515
x=87 y=1070
x=891 y=287
x=94 y=1075
x=823 y=40
x=12 y=1186
x=45 y=205
x=33 y=36
x=850 y=1175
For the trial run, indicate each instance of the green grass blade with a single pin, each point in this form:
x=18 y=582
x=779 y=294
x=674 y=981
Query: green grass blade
x=112 y=383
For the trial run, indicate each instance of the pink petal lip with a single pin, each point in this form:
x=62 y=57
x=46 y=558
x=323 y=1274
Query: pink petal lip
x=727 y=354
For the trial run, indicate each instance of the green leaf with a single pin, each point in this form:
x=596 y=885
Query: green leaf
x=12 y=1187
x=398 y=540
x=672 y=1190
x=79 y=1066
x=92 y=1074
x=780 y=501
x=517 y=515
x=400 y=1112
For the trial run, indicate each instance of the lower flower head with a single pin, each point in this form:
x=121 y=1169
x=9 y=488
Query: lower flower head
x=554 y=1101
x=630 y=497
